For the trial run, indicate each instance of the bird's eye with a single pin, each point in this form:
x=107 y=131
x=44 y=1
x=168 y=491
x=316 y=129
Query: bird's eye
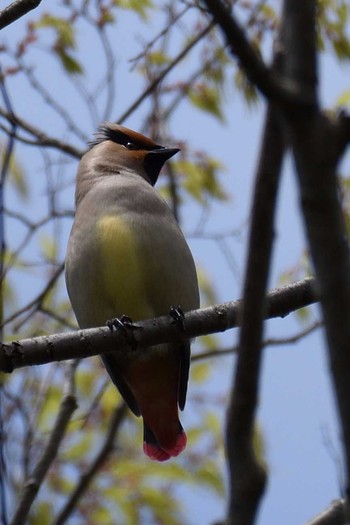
x=131 y=145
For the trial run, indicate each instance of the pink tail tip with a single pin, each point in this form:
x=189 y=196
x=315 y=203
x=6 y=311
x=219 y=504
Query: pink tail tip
x=153 y=451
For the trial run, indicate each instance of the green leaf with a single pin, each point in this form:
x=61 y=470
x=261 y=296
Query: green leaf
x=17 y=174
x=259 y=447
x=48 y=247
x=101 y=515
x=41 y=514
x=157 y=58
x=50 y=407
x=246 y=87
x=207 y=289
x=63 y=29
x=79 y=449
x=200 y=372
x=70 y=64
x=200 y=178
x=210 y=476
x=140 y=7
x=344 y=99
x=207 y=99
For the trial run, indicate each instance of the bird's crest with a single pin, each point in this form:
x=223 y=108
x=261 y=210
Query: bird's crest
x=123 y=136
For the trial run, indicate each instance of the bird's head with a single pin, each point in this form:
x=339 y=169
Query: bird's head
x=131 y=150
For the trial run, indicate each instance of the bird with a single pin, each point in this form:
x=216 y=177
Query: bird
x=127 y=256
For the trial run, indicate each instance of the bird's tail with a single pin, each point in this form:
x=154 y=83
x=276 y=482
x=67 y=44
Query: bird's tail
x=154 y=450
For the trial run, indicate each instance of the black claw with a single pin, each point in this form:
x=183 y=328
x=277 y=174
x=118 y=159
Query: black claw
x=178 y=316
x=125 y=324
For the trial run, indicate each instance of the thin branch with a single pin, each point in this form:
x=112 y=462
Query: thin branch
x=38 y=300
x=96 y=341
x=147 y=47
x=49 y=453
x=16 y=10
x=100 y=458
x=43 y=139
x=51 y=101
x=155 y=83
x=280 y=341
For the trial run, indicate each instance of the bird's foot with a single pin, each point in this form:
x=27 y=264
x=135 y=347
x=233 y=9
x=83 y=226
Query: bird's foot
x=178 y=317
x=124 y=324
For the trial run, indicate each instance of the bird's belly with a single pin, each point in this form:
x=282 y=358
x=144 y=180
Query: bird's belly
x=121 y=269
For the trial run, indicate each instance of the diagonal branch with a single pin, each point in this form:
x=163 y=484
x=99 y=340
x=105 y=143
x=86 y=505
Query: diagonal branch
x=264 y=78
x=335 y=514
x=49 y=453
x=16 y=10
x=153 y=85
x=43 y=139
x=87 y=343
x=100 y=458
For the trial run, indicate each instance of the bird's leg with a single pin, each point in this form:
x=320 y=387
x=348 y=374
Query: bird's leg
x=178 y=317
x=125 y=324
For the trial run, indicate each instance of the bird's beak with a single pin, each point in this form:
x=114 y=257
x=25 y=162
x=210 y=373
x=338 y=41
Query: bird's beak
x=165 y=153
x=155 y=159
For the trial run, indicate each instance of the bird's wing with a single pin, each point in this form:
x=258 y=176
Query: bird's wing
x=113 y=368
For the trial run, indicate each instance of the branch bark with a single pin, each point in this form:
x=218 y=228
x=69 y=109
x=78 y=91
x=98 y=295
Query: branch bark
x=314 y=140
x=272 y=86
x=16 y=10
x=248 y=476
x=335 y=514
x=96 y=341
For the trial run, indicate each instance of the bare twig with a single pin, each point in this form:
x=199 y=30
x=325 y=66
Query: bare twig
x=86 y=343
x=280 y=341
x=175 y=17
x=43 y=139
x=155 y=83
x=35 y=303
x=100 y=458
x=33 y=484
x=16 y=10
x=51 y=101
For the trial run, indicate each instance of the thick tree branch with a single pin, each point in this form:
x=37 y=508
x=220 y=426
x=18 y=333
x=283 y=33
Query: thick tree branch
x=49 y=453
x=87 y=343
x=264 y=78
x=316 y=151
x=16 y=10
x=248 y=477
x=335 y=514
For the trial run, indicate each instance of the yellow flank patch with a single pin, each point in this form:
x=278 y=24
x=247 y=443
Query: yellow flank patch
x=122 y=269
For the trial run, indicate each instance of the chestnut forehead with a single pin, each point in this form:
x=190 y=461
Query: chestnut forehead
x=122 y=135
